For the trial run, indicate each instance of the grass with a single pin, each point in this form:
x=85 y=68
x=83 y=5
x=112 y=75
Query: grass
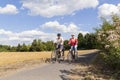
x=15 y=57
x=7 y=58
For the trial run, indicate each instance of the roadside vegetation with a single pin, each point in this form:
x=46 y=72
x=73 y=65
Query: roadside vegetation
x=108 y=36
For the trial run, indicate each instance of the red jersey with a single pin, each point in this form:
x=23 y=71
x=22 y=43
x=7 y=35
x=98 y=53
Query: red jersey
x=73 y=41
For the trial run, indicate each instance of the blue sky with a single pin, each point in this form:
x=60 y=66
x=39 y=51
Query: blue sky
x=21 y=21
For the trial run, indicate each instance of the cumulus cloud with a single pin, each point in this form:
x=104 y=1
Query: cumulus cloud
x=8 y=9
x=50 y=8
x=106 y=10
x=12 y=38
x=70 y=28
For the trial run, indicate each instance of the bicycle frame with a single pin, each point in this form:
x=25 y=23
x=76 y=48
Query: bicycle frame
x=72 y=55
x=56 y=55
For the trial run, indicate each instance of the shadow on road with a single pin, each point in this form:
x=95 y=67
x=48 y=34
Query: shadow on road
x=84 y=59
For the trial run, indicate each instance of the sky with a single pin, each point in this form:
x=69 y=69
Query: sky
x=22 y=21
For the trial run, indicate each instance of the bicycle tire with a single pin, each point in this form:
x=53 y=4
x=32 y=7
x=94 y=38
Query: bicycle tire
x=69 y=57
x=53 y=56
x=58 y=55
x=76 y=56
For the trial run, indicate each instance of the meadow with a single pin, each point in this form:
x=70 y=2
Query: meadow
x=7 y=58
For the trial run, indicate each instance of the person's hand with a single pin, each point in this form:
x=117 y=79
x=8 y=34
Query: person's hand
x=69 y=44
x=75 y=46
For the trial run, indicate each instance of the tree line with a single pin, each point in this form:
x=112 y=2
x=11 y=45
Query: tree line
x=87 y=41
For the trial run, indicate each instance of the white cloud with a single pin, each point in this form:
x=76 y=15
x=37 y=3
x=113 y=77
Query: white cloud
x=8 y=9
x=55 y=26
x=50 y=8
x=12 y=38
x=107 y=10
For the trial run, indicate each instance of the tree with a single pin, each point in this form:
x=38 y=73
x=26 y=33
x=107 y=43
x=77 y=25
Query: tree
x=66 y=46
x=37 y=45
x=93 y=41
x=87 y=41
x=18 y=48
x=33 y=46
x=24 y=48
x=49 y=45
x=90 y=41
x=40 y=46
x=13 y=49
x=80 y=41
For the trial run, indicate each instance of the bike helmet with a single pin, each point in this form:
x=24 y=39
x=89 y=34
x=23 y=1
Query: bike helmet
x=58 y=34
x=72 y=35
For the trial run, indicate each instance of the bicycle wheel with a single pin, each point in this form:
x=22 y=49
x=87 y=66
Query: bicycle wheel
x=76 y=55
x=62 y=56
x=53 y=56
x=69 y=57
x=58 y=56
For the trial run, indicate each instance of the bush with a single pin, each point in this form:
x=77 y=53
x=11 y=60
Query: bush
x=99 y=59
x=112 y=59
x=109 y=59
x=109 y=40
x=109 y=63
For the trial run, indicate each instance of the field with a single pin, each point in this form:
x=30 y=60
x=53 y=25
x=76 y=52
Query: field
x=7 y=58
x=16 y=57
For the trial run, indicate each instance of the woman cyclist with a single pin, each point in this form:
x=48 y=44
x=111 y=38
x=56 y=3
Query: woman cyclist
x=73 y=42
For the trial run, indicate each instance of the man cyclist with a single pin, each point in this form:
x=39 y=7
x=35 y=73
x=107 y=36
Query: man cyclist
x=59 y=43
x=73 y=42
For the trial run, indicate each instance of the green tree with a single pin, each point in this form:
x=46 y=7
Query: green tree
x=49 y=45
x=37 y=45
x=66 y=46
x=5 y=48
x=80 y=41
x=13 y=49
x=18 y=48
x=87 y=41
x=33 y=46
x=90 y=41
x=40 y=46
x=93 y=41
x=24 y=48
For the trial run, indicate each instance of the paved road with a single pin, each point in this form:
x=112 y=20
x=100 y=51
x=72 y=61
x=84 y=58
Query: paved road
x=48 y=71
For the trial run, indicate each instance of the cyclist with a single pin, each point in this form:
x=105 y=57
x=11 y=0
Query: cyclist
x=73 y=42
x=59 y=43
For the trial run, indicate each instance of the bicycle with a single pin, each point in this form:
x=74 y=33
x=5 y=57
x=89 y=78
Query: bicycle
x=72 y=56
x=56 y=55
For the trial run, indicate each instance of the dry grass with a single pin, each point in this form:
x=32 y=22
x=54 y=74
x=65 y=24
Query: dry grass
x=15 y=57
